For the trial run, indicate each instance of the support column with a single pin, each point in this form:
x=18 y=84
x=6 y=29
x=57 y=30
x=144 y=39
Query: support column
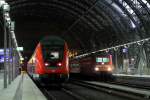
x=13 y=65
x=10 y=58
x=5 y=54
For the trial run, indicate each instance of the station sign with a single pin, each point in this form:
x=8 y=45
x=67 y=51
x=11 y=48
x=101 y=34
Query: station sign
x=125 y=50
x=2 y=51
x=7 y=50
x=7 y=53
x=2 y=55
x=2 y=59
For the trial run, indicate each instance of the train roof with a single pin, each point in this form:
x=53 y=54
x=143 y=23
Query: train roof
x=52 y=40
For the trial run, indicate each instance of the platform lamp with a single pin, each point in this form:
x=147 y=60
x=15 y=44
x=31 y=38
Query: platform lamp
x=5 y=9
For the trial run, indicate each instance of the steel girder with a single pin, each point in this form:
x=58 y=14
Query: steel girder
x=92 y=13
x=139 y=15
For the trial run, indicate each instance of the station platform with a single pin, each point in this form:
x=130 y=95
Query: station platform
x=22 y=88
x=135 y=75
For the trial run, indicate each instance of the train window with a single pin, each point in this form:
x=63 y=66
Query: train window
x=98 y=59
x=105 y=59
x=53 y=52
x=101 y=59
x=54 y=55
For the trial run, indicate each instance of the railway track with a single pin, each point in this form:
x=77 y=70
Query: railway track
x=134 y=85
x=75 y=93
x=54 y=95
x=61 y=94
x=55 y=92
x=66 y=92
x=112 y=90
x=140 y=83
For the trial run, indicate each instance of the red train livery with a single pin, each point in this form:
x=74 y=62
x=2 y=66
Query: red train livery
x=92 y=65
x=50 y=60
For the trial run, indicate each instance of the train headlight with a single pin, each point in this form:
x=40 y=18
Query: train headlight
x=59 y=64
x=46 y=64
x=109 y=69
x=96 y=69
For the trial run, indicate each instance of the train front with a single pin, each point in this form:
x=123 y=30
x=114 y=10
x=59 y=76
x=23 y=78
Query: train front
x=55 y=62
x=104 y=64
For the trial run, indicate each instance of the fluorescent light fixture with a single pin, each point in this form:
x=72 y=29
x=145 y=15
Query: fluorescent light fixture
x=19 y=48
x=2 y=2
x=8 y=19
x=12 y=26
x=6 y=7
x=133 y=25
x=22 y=58
x=6 y=14
x=13 y=35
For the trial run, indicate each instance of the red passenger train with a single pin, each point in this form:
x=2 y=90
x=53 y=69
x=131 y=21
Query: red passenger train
x=50 y=60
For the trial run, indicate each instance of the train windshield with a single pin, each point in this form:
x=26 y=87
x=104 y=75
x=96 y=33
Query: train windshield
x=102 y=59
x=53 y=53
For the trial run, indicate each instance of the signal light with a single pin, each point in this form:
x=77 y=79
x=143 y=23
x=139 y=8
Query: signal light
x=59 y=64
x=46 y=64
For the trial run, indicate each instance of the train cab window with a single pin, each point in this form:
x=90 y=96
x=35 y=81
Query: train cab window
x=98 y=59
x=105 y=59
x=102 y=59
x=53 y=52
x=54 y=55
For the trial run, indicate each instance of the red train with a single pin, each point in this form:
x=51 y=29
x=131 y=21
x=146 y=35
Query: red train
x=74 y=66
x=49 y=61
x=92 y=65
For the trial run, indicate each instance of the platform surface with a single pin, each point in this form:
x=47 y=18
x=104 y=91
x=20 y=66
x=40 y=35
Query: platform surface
x=22 y=88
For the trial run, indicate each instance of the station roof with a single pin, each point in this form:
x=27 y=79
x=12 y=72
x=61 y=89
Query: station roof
x=86 y=25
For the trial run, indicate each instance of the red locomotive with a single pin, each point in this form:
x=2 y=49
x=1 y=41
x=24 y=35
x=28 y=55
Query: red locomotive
x=50 y=60
x=93 y=65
